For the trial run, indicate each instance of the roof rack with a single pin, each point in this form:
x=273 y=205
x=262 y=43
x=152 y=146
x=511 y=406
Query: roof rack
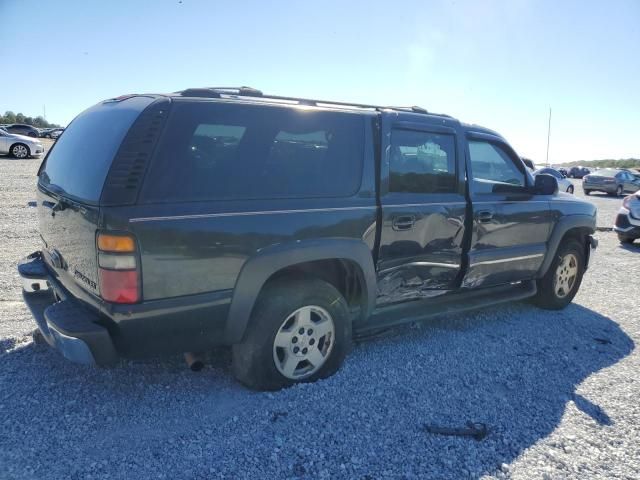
x=219 y=92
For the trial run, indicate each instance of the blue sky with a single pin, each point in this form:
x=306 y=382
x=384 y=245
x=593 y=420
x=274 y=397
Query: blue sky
x=501 y=64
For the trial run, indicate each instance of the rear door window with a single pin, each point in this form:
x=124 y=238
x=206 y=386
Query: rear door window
x=79 y=161
x=214 y=151
x=422 y=162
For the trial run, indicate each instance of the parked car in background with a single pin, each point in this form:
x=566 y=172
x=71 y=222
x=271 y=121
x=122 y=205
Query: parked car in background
x=51 y=132
x=21 y=129
x=55 y=133
x=627 y=224
x=611 y=181
x=19 y=146
x=564 y=184
x=294 y=231
x=578 y=172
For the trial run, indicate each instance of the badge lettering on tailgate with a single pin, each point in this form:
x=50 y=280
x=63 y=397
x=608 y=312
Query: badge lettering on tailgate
x=78 y=274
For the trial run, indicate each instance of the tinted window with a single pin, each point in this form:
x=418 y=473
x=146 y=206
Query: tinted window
x=422 y=162
x=80 y=160
x=221 y=151
x=492 y=166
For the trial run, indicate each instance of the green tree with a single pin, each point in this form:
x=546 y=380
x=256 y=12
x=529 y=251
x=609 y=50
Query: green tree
x=9 y=117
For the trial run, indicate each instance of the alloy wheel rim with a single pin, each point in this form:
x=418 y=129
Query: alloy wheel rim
x=566 y=275
x=304 y=342
x=20 y=151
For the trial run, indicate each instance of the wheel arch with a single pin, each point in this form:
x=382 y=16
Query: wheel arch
x=327 y=259
x=579 y=227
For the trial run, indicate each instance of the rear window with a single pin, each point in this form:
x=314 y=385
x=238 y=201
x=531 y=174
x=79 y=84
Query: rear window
x=607 y=172
x=79 y=162
x=214 y=151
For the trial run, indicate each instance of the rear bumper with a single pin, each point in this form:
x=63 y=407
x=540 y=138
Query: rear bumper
x=87 y=330
x=600 y=187
x=66 y=325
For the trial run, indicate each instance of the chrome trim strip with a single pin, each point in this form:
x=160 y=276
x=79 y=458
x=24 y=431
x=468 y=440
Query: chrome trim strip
x=426 y=204
x=422 y=264
x=504 y=260
x=480 y=202
x=244 y=214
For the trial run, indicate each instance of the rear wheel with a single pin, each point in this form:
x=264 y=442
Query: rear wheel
x=570 y=189
x=299 y=331
x=625 y=239
x=20 y=150
x=562 y=281
x=587 y=192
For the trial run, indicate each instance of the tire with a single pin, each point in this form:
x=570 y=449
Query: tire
x=587 y=192
x=552 y=296
x=20 y=150
x=262 y=364
x=619 y=191
x=570 y=189
x=626 y=240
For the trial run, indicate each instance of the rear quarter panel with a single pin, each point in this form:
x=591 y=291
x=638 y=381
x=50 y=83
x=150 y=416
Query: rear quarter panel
x=194 y=248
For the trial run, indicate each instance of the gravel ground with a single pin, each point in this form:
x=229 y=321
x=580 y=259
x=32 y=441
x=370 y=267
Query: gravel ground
x=558 y=390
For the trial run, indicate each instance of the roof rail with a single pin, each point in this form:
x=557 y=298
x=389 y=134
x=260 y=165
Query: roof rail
x=217 y=92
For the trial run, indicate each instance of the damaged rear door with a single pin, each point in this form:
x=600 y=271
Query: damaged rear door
x=424 y=207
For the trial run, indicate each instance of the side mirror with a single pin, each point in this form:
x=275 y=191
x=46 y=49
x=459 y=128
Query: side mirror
x=545 y=184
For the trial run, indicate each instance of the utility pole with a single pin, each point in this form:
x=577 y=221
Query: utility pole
x=548 y=136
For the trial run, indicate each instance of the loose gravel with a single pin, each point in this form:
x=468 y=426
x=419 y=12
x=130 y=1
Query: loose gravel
x=558 y=390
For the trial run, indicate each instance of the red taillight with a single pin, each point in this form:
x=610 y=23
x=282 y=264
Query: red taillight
x=118 y=268
x=119 y=286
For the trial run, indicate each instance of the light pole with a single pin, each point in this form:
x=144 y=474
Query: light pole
x=548 y=136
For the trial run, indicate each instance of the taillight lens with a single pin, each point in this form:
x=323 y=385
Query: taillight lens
x=118 y=268
x=119 y=286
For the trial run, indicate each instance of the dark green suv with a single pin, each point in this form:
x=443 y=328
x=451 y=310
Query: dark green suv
x=282 y=226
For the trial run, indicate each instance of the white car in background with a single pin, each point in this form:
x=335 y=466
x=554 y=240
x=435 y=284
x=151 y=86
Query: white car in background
x=564 y=184
x=19 y=146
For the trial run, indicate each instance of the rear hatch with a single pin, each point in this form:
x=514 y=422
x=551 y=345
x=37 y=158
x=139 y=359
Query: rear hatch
x=70 y=186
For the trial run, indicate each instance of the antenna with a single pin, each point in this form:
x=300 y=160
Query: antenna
x=548 y=136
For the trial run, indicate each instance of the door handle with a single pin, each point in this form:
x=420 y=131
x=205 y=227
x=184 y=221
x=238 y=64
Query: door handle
x=484 y=216
x=404 y=222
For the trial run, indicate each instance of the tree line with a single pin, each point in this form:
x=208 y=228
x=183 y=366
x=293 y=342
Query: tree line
x=607 y=163
x=38 y=122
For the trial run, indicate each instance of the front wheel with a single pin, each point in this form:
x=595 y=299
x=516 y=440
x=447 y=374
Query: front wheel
x=299 y=331
x=625 y=239
x=562 y=281
x=570 y=189
x=19 y=150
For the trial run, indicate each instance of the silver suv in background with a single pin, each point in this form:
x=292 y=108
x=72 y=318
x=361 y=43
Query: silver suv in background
x=19 y=146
